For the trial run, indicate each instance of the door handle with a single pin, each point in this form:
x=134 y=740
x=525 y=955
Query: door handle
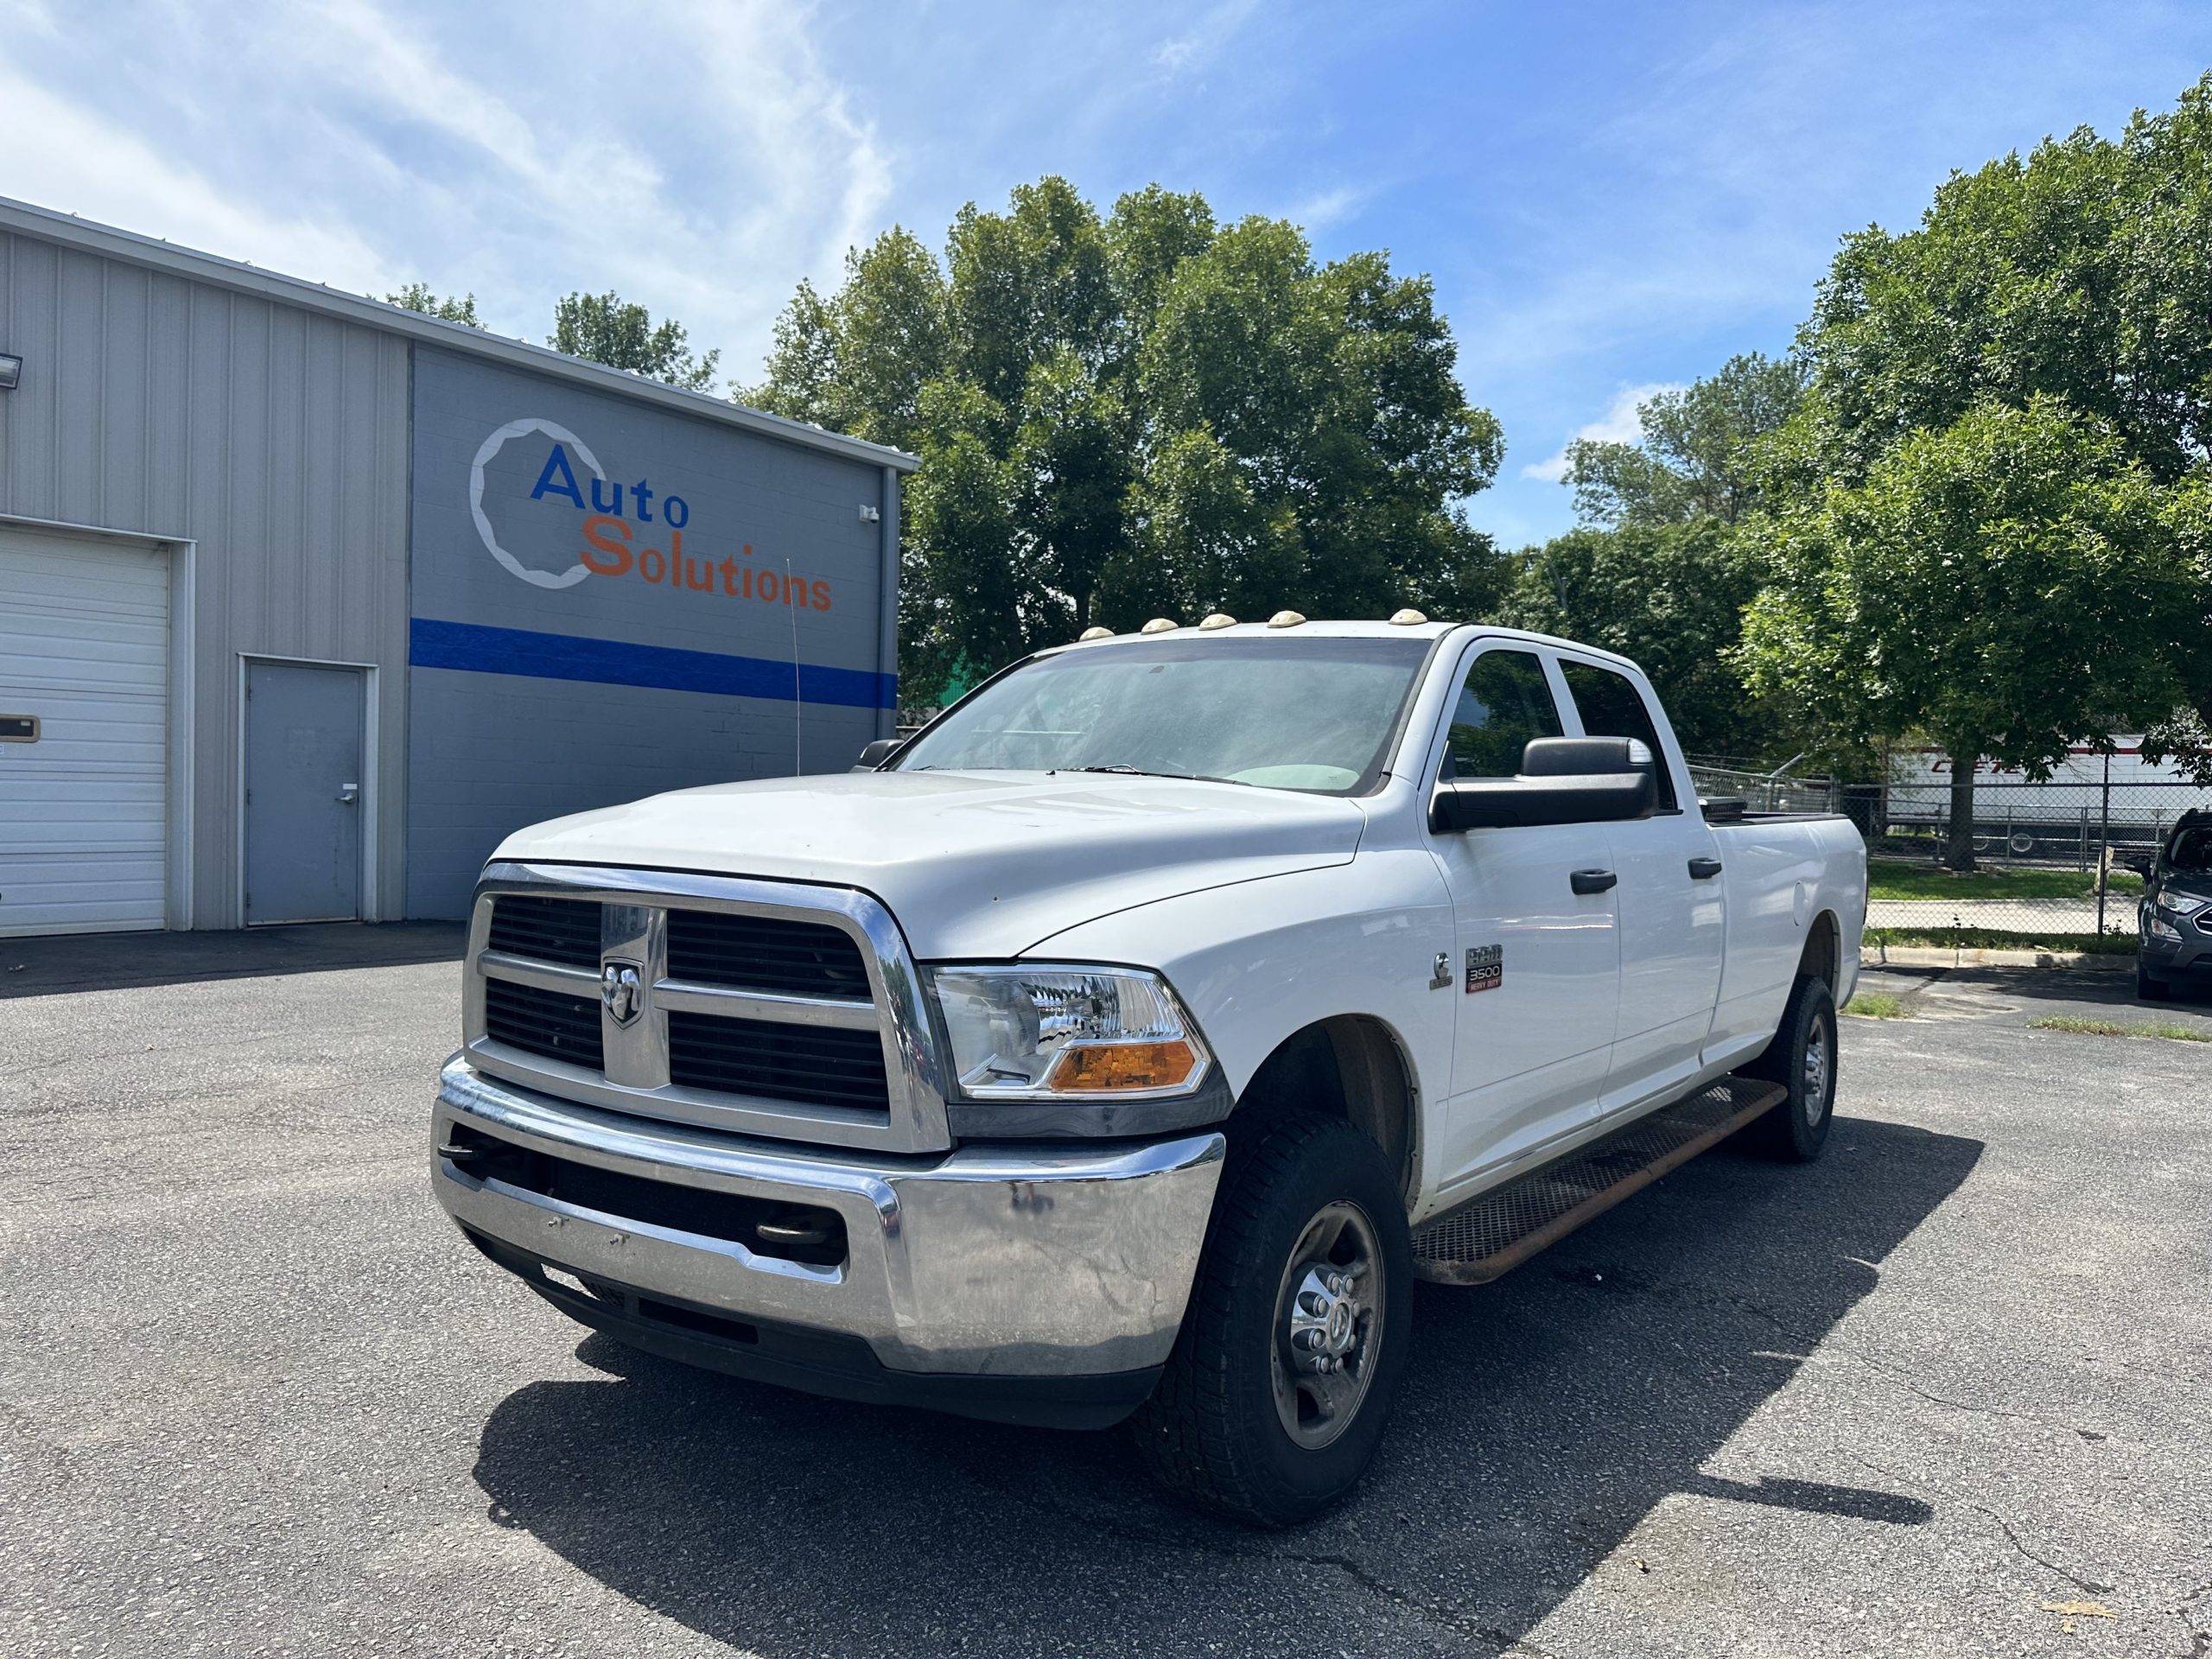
x=349 y=793
x=1704 y=869
x=1592 y=880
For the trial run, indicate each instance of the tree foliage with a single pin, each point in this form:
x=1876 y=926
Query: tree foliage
x=606 y=328
x=2006 y=583
x=416 y=296
x=1670 y=595
x=1698 y=455
x=2049 y=312
x=1144 y=413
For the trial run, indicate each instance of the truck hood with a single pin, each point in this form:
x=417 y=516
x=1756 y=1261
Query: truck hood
x=972 y=864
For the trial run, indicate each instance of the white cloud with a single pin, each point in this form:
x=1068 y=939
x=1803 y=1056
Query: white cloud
x=1210 y=32
x=1617 y=424
x=1318 y=213
x=699 y=158
x=69 y=158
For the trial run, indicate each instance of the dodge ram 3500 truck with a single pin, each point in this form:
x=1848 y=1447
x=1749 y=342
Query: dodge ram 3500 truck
x=1126 y=1042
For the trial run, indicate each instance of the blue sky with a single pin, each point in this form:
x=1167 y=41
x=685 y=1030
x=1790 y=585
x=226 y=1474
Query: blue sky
x=1610 y=198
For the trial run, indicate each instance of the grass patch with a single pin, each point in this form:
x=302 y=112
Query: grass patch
x=1898 y=878
x=2172 y=1031
x=1877 y=1005
x=1991 y=938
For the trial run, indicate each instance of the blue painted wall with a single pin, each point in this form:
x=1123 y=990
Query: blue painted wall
x=610 y=599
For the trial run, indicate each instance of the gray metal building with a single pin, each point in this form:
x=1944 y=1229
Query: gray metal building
x=306 y=600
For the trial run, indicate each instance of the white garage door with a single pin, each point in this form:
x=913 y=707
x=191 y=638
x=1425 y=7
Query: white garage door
x=84 y=647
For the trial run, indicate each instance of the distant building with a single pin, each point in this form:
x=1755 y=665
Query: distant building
x=306 y=600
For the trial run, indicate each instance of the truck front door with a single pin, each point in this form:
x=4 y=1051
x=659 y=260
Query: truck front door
x=1537 y=972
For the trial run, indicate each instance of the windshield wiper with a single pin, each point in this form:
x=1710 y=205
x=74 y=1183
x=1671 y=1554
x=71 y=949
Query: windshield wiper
x=1139 y=771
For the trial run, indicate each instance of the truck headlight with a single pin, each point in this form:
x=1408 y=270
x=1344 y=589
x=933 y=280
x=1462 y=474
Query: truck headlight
x=1024 y=1033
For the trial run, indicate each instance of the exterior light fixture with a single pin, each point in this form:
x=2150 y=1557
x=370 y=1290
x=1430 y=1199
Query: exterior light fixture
x=11 y=371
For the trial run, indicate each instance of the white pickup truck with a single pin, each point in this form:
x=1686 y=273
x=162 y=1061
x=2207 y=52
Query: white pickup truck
x=1123 y=1043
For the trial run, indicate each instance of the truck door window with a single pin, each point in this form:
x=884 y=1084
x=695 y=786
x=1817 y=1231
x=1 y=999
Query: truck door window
x=1611 y=706
x=1503 y=703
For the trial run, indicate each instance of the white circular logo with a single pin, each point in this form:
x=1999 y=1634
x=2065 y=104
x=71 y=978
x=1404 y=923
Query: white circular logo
x=491 y=446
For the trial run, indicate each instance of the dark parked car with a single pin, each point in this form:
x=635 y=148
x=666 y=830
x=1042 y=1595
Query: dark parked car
x=2175 y=949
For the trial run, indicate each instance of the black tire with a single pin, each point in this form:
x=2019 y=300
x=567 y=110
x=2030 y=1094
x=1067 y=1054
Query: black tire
x=2148 y=990
x=1797 y=1127
x=1213 y=1431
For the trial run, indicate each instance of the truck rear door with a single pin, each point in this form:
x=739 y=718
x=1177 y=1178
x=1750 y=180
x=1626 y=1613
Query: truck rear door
x=1671 y=900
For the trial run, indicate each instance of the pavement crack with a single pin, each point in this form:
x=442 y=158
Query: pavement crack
x=1896 y=1375
x=2044 y=1561
x=2200 y=1638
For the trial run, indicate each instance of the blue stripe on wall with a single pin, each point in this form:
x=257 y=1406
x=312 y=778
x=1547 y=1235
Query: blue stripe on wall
x=478 y=650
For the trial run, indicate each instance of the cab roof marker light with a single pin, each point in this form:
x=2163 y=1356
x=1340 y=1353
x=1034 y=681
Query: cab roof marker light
x=1408 y=617
x=1089 y=634
x=1160 y=624
x=1285 y=620
x=1217 y=620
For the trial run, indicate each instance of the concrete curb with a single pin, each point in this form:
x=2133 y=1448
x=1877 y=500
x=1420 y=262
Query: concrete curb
x=1929 y=956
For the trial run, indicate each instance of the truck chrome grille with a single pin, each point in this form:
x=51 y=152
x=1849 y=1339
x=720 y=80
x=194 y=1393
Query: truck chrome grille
x=769 y=1008
x=820 y=1064
x=547 y=930
x=543 y=1022
x=756 y=953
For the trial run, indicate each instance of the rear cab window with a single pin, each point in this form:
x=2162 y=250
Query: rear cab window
x=1611 y=706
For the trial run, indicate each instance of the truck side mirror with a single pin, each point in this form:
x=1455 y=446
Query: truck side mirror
x=877 y=752
x=1562 y=780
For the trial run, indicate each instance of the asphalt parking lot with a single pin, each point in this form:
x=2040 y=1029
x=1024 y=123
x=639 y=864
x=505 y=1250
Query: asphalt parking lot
x=1919 y=1398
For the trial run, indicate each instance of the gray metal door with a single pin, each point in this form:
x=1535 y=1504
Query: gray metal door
x=302 y=793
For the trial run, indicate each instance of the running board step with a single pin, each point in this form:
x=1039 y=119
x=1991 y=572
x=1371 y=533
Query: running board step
x=1504 y=1227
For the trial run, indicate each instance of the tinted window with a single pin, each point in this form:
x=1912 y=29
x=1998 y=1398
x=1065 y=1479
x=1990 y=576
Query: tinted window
x=1503 y=703
x=1611 y=706
x=2191 y=851
x=1314 y=713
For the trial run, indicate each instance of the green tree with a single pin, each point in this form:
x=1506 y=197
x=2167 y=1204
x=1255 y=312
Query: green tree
x=1144 y=414
x=2077 y=280
x=1697 y=458
x=416 y=296
x=605 y=328
x=1672 y=597
x=2008 y=583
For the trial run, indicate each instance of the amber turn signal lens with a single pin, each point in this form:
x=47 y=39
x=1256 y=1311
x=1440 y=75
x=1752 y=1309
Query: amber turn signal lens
x=1109 y=1066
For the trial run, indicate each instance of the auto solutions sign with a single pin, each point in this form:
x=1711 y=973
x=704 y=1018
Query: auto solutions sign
x=610 y=599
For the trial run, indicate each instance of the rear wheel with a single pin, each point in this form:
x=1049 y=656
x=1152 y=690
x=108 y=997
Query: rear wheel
x=1803 y=1059
x=1295 y=1339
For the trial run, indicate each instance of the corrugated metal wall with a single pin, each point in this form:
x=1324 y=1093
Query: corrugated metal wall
x=273 y=437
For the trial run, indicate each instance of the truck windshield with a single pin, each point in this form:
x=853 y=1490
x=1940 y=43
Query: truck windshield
x=1313 y=713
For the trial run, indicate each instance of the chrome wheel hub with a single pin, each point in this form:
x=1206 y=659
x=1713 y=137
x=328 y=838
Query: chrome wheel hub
x=1328 y=1324
x=1815 y=1091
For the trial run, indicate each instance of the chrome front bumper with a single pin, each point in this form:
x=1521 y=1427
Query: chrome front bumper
x=1060 y=1261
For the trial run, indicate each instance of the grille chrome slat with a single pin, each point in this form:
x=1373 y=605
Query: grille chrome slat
x=682 y=995
x=545 y=976
x=769 y=1008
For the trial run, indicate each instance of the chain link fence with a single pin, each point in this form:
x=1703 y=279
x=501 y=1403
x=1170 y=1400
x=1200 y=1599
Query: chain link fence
x=2058 y=863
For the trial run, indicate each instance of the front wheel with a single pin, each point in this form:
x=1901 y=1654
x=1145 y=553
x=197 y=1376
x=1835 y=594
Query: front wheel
x=2148 y=990
x=1801 y=1058
x=1295 y=1339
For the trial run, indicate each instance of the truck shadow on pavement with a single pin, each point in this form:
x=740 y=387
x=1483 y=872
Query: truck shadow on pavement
x=1543 y=1417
